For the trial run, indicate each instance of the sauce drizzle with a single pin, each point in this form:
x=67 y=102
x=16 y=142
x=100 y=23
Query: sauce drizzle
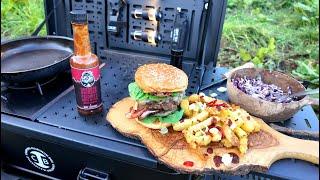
x=209 y=150
x=217 y=160
x=235 y=158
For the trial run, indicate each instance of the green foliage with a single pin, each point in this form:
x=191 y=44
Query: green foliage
x=21 y=17
x=307 y=11
x=245 y=55
x=307 y=71
x=249 y=4
x=261 y=57
x=274 y=34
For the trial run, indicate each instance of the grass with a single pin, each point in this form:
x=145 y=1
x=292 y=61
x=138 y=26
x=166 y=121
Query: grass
x=21 y=17
x=275 y=34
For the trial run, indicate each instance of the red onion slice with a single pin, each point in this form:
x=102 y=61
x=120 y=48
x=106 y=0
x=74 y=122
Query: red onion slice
x=146 y=113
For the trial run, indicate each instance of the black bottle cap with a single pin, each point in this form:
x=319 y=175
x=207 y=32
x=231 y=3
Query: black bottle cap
x=78 y=16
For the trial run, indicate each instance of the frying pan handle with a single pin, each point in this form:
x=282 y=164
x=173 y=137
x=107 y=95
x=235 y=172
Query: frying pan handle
x=309 y=101
x=38 y=29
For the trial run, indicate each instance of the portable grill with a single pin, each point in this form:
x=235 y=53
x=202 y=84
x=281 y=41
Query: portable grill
x=44 y=134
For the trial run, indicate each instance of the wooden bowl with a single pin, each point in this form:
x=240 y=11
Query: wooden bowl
x=268 y=111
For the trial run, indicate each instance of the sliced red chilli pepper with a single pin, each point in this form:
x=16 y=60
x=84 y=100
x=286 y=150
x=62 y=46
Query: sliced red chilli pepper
x=221 y=105
x=188 y=163
x=211 y=103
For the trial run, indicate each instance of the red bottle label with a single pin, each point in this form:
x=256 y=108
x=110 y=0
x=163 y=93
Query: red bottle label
x=87 y=87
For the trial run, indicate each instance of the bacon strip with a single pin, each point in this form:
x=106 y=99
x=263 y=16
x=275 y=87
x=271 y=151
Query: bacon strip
x=136 y=113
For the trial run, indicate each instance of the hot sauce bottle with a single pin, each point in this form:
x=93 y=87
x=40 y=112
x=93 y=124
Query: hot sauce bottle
x=84 y=67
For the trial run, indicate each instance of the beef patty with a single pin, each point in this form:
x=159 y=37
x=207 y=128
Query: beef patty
x=165 y=105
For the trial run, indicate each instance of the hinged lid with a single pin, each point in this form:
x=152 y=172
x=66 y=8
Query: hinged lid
x=112 y=21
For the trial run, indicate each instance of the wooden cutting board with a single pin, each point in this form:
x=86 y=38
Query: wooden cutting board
x=265 y=147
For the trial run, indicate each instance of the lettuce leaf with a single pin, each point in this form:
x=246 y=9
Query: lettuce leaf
x=150 y=119
x=137 y=93
x=171 y=118
x=174 y=94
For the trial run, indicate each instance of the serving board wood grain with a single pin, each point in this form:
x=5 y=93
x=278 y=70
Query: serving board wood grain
x=265 y=147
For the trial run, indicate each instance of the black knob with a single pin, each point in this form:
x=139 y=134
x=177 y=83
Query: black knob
x=176 y=58
x=78 y=16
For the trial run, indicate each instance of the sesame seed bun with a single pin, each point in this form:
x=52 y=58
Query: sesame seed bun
x=155 y=125
x=152 y=78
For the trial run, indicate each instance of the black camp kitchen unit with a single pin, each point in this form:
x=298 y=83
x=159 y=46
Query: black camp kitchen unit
x=45 y=136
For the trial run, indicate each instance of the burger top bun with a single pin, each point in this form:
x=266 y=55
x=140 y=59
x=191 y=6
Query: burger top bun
x=153 y=78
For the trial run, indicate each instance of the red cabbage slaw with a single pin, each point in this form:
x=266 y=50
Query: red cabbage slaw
x=257 y=88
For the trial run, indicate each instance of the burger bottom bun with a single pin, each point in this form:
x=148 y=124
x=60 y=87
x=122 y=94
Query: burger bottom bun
x=155 y=125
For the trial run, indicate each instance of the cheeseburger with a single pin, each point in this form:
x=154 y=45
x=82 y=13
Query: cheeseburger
x=158 y=90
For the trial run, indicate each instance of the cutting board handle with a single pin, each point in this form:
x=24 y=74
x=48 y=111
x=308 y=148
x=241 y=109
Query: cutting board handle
x=301 y=149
